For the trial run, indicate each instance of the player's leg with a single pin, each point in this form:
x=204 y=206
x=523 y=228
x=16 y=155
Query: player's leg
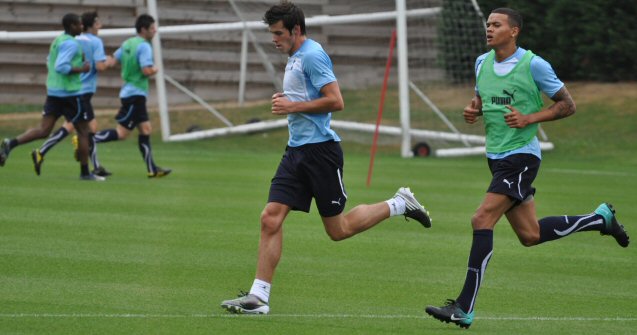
x=37 y=155
x=511 y=181
x=531 y=232
x=323 y=168
x=43 y=130
x=358 y=219
x=287 y=192
x=365 y=216
x=139 y=116
x=460 y=310
x=125 y=123
x=98 y=169
x=146 y=150
x=256 y=301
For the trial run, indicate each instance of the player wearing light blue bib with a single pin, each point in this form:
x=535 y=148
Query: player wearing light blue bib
x=509 y=81
x=93 y=49
x=312 y=166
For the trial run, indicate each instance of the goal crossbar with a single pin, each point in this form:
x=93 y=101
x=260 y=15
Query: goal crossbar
x=232 y=26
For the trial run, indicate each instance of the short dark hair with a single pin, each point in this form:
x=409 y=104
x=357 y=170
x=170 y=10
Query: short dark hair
x=289 y=13
x=88 y=19
x=143 y=21
x=68 y=20
x=515 y=18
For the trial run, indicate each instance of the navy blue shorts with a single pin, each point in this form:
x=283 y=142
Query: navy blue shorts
x=514 y=175
x=73 y=108
x=132 y=112
x=311 y=171
x=87 y=105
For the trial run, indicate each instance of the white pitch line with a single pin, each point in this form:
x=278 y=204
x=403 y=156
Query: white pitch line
x=316 y=316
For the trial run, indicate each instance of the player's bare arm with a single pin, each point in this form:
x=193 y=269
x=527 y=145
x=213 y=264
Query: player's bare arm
x=330 y=101
x=564 y=106
x=473 y=110
x=104 y=65
x=149 y=71
x=86 y=67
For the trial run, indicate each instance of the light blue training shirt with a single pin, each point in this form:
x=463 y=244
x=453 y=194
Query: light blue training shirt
x=545 y=79
x=307 y=71
x=66 y=51
x=145 y=59
x=93 y=48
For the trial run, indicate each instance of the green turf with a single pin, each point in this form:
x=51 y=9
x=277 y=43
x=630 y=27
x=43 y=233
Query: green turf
x=139 y=256
x=133 y=255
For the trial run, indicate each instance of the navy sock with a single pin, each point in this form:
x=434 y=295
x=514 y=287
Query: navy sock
x=92 y=150
x=106 y=135
x=481 y=251
x=13 y=143
x=84 y=169
x=554 y=227
x=54 y=139
x=147 y=153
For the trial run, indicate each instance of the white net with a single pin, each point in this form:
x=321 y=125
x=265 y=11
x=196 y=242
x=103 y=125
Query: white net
x=441 y=82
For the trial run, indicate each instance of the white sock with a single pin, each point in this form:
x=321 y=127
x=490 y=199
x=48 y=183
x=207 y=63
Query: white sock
x=396 y=206
x=261 y=289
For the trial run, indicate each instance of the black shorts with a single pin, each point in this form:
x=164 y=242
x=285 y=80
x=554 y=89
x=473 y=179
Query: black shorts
x=514 y=175
x=87 y=105
x=132 y=112
x=311 y=171
x=73 y=108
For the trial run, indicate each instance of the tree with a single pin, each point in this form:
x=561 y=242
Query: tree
x=583 y=40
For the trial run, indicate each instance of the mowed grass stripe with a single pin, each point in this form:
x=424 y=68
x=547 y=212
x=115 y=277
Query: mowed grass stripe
x=134 y=255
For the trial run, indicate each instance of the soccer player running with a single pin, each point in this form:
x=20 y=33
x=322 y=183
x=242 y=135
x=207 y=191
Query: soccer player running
x=93 y=49
x=312 y=165
x=65 y=63
x=136 y=57
x=508 y=84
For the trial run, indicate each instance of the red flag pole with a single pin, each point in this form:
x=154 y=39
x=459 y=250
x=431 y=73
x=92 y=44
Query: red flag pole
x=392 y=44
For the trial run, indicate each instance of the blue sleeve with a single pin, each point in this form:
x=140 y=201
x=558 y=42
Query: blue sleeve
x=478 y=66
x=145 y=55
x=98 y=51
x=544 y=76
x=318 y=67
x=118 y=55
x=65 y=55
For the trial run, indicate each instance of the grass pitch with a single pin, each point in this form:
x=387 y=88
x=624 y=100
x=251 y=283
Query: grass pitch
x=139 y=256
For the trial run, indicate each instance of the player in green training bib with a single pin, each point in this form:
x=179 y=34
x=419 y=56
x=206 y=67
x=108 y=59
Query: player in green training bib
x=509 y=80
x=65 y=63
x=136 y=57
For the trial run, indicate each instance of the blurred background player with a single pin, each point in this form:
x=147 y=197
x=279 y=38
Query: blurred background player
x=93 y=49
x=312 y=166
x=136 y=57
x=65 y=62
x=509 y=80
